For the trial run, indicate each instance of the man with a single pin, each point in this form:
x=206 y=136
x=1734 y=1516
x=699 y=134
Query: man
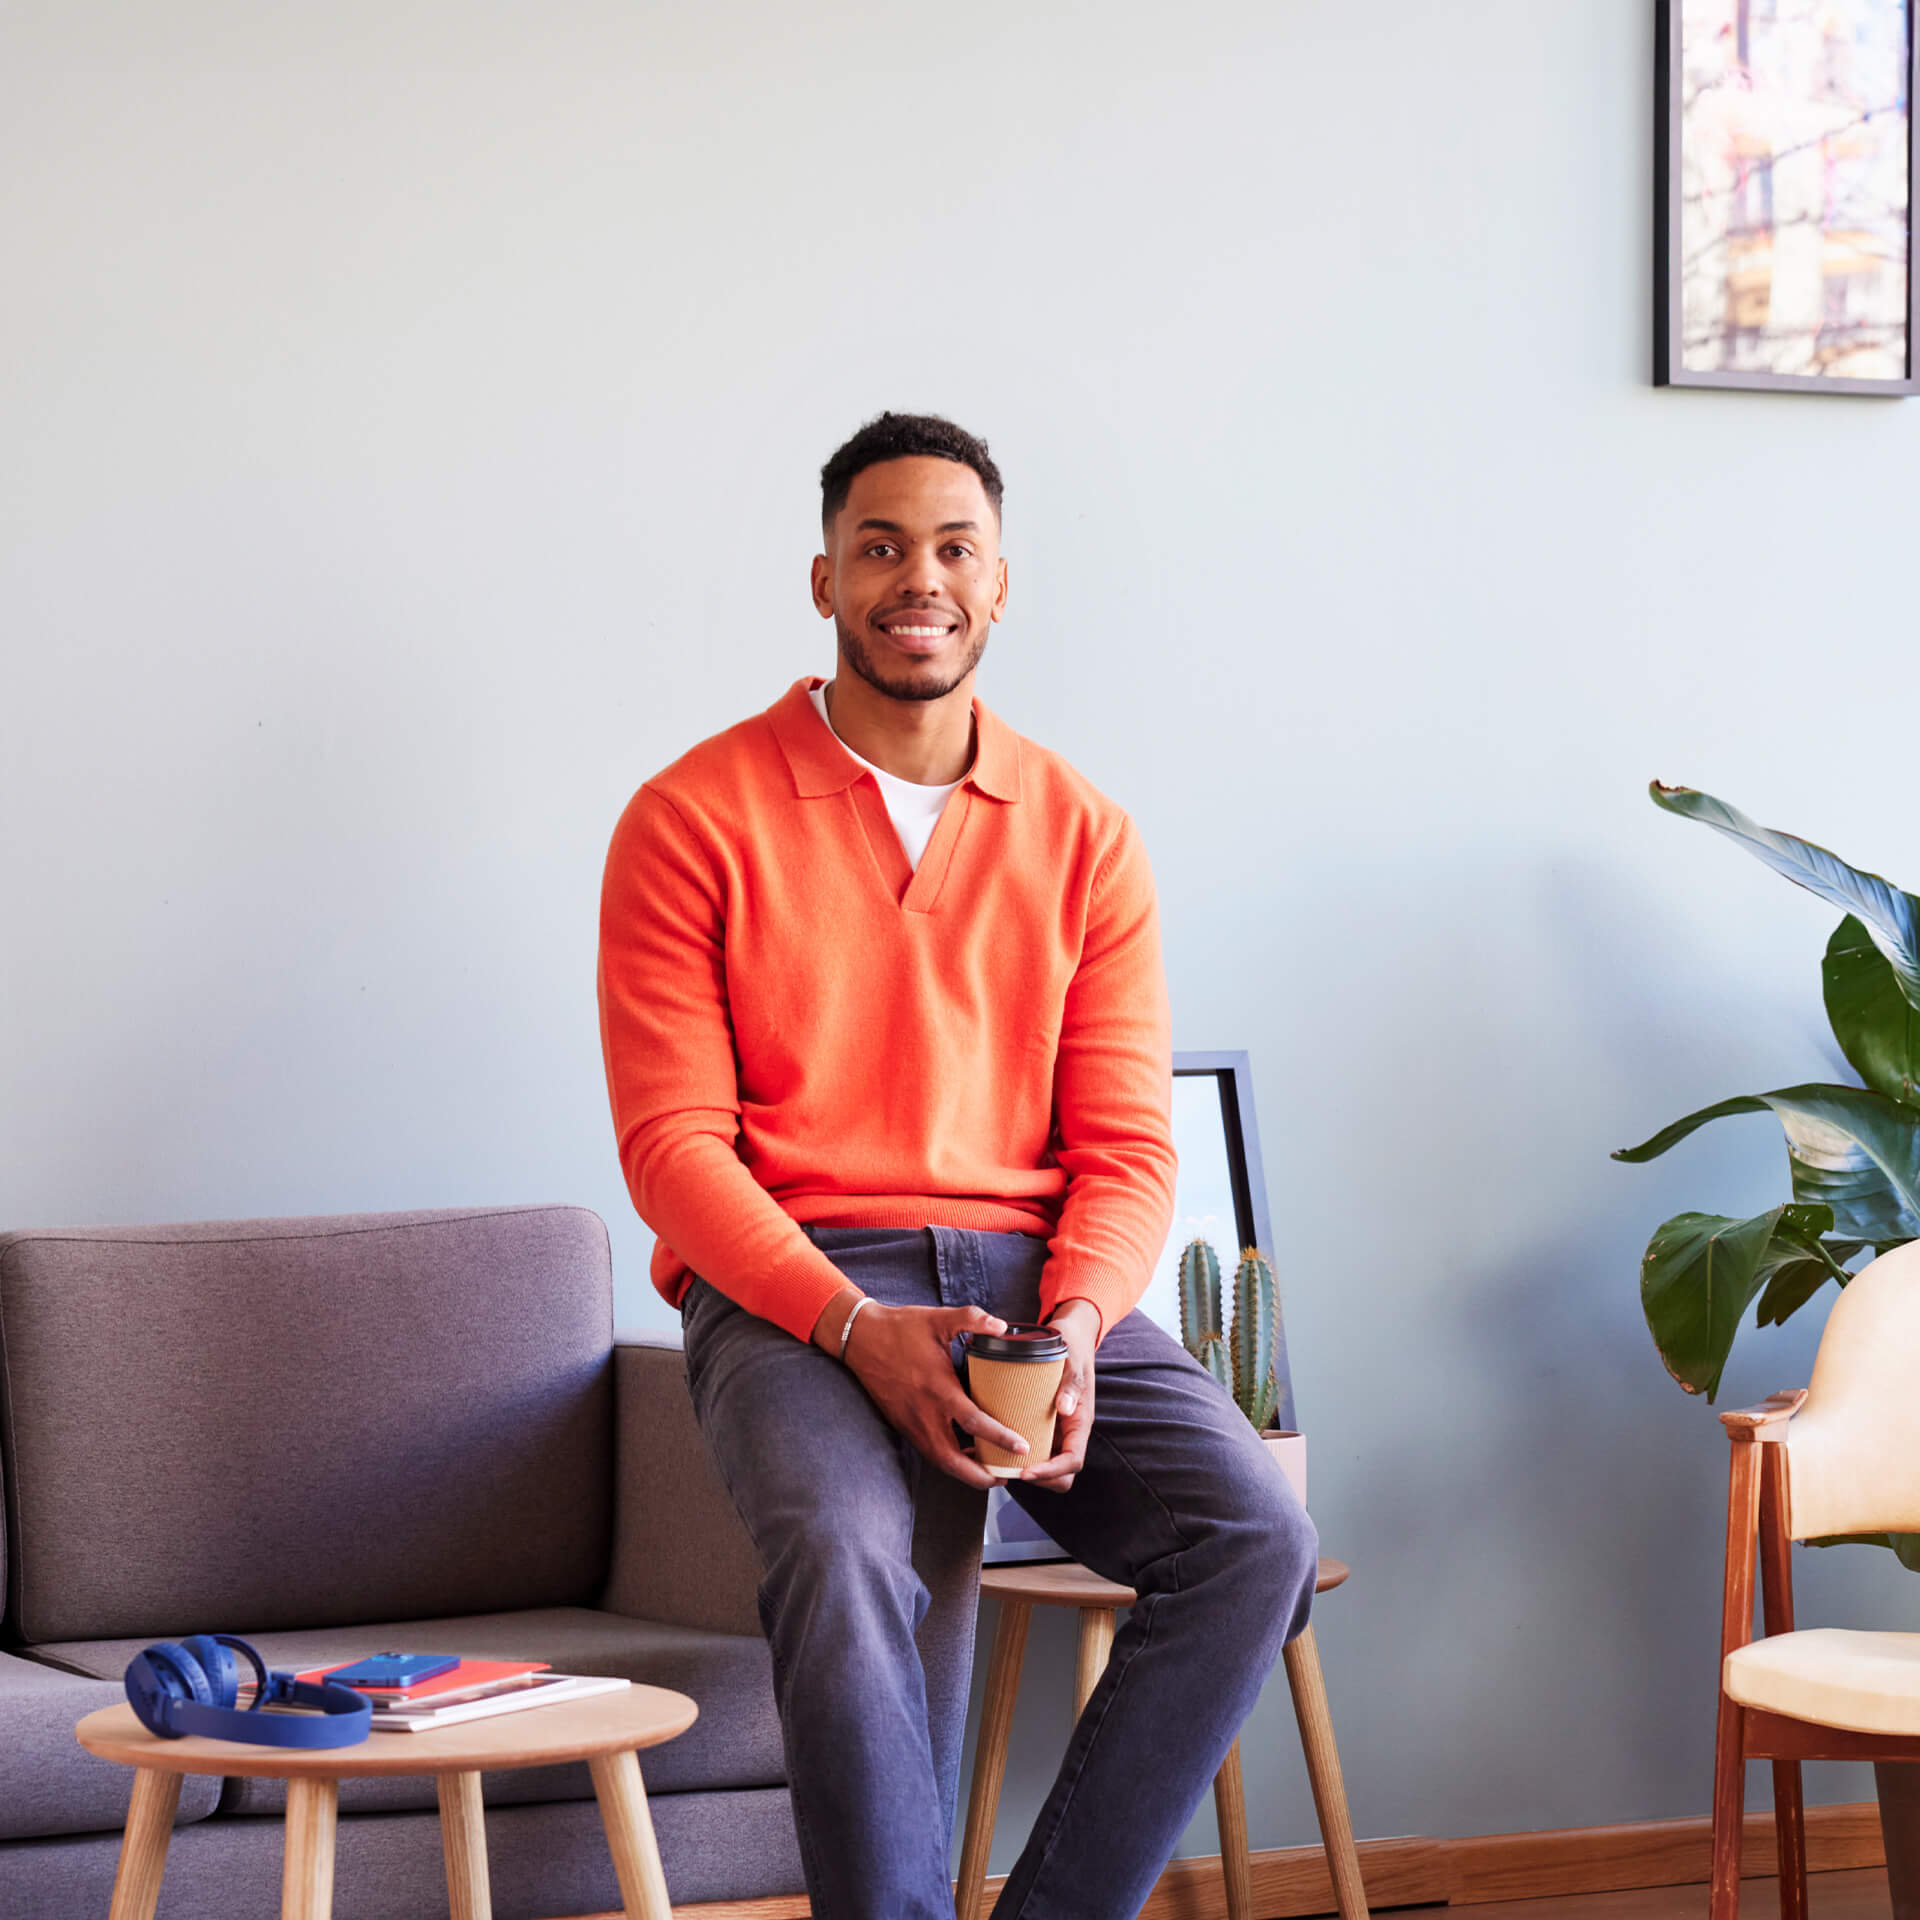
x=888 y=1050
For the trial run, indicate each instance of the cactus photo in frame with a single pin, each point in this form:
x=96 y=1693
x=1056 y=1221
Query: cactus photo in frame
x=1241 y=1351
x=1220 y=1197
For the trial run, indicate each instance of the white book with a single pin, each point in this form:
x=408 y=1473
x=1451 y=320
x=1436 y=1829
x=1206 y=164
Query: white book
x=541 y=1690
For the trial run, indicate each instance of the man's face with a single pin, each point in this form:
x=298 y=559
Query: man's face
x=912 y=576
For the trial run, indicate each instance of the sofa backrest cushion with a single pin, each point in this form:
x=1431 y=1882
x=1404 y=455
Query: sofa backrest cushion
x=305 y=1423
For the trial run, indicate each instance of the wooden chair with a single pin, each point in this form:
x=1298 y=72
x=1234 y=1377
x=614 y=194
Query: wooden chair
x=1839 y=1456
x=1019 y=1590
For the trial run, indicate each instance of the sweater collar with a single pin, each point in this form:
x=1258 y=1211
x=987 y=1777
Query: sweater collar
x=820 y=764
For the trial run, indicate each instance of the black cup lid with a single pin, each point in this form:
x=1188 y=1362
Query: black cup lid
x=1019 y=1343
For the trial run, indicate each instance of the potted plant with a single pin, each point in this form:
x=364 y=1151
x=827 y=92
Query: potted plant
x=1244 y=1361
x=1853 y=1155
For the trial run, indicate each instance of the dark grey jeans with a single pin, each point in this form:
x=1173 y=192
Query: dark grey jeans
x=869 y=1555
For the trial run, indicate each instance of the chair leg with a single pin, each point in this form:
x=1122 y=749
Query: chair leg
x=1302 y=1657
x=1096 y=1643
x=1897 y=1783
x=1230 y=1815
x=1776 y=1612
x=1729 y=1810
x=990 y=1757
x=1790 y=1827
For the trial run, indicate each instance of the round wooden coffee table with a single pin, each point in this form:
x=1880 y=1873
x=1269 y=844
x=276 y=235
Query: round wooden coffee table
x=605 y=1730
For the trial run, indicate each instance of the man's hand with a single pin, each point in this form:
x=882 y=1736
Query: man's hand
x=902 y=1356
x=1079 y=1322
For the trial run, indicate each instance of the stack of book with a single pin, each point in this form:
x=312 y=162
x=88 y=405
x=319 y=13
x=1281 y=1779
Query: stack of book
x=471 y=1691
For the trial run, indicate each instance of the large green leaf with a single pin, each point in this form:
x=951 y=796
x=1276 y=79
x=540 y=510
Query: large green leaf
x=1673 y=1135
x=1892 y=918
x=1876 y=1025
x=1906 y=1546
x=1794 y=1284
x=1849 y=1148
x=1857 y=1152
x=1701 y=1271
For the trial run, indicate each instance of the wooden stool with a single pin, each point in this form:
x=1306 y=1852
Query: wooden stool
x=1019 y=1590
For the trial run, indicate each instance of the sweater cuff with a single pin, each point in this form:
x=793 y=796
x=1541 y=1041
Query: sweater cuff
x=794 y=1298
x=1099 y=1313
x=1112 y=1293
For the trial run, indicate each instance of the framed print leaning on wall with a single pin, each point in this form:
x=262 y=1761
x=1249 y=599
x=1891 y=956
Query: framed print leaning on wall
x=1783 y=195
x=1220 y=1195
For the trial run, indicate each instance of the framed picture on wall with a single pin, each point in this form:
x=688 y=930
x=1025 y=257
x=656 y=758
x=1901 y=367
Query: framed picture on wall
x=1220 y=1196
x=1784 y=161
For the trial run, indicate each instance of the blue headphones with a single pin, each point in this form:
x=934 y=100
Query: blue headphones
x=188 y=1688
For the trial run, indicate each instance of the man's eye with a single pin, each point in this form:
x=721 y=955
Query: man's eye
x=960 y=552
x=880 y=549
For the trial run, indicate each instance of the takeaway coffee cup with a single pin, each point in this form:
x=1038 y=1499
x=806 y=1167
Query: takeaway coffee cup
x=1014 y=1376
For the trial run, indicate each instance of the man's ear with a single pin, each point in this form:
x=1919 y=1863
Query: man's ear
x=1000 y=591
x=823 y=586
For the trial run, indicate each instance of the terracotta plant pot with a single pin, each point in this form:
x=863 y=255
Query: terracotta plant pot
x=1290 y=1450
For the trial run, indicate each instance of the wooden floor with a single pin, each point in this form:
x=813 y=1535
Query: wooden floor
x=1858 y=1895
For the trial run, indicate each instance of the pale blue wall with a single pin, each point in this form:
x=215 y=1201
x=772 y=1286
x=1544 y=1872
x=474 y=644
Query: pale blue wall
x=410 y=417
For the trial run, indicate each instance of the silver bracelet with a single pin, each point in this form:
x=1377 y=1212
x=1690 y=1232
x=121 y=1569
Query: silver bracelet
x=847 y=1325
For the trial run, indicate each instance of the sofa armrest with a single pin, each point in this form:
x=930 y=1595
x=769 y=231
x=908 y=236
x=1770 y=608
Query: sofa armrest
x=680 y=1552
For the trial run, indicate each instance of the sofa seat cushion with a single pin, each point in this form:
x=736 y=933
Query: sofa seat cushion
x=735 y=1743
x=48 y=1783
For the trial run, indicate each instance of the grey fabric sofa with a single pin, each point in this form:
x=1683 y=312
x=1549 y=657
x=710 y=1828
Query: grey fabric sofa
x=336 y=1435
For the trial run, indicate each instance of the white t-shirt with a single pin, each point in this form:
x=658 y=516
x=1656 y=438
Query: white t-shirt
x=914 y=810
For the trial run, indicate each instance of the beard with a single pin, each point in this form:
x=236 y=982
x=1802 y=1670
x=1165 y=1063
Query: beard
x=940 y=683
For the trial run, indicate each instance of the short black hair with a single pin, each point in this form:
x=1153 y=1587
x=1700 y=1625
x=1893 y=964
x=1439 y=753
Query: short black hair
x=903 y=436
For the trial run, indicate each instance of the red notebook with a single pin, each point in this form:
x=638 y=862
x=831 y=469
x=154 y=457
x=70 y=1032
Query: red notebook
x=469 y=1673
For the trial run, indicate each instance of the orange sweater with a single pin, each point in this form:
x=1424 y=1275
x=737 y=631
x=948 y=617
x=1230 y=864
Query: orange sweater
x=800 y=1028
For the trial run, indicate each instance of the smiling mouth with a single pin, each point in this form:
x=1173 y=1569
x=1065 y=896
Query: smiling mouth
x=919 y=633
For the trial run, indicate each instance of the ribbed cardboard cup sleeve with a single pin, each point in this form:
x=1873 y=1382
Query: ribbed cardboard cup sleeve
x=1019 y=1394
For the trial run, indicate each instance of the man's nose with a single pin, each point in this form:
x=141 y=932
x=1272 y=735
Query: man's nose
x=924 y=576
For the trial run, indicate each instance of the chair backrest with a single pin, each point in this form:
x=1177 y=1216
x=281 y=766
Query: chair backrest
x=302 y=1423
x=1853 y=1449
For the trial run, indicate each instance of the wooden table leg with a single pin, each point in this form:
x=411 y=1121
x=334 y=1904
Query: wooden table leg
x=463 y=1840
x=1096 y=1643
x=1230 y=1815
x=990 y=1757
x=306 y=1880
x=143 y=1847
x=636 y=1855
x=1302 y=1656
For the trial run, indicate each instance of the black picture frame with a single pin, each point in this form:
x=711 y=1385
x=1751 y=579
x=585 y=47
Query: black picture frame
x=1232 y=1074
x=1669 y=367
x=1011 y=1536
